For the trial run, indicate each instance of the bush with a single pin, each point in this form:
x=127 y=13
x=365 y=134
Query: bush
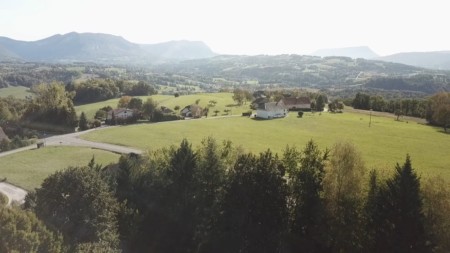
x=300 y=114
x=95 y=123
x=3 y=200
x=176 y=108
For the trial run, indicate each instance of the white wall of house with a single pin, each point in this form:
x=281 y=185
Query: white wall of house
x=121 y=115
x=271 y=114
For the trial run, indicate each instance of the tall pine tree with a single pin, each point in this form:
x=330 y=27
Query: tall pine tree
x=398 y=214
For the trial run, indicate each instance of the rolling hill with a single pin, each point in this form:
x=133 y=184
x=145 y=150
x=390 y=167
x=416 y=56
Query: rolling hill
x=98 y=47
x=431 y=60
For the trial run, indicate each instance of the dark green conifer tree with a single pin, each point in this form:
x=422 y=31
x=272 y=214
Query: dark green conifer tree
x=398 y=215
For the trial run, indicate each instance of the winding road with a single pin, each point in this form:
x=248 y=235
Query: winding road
x=73 y=139
x=16 y=194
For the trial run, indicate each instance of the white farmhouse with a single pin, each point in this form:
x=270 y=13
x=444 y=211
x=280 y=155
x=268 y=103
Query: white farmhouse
x=271 y=110
x=121 y=113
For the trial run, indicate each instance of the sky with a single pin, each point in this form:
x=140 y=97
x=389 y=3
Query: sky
x=241 y=26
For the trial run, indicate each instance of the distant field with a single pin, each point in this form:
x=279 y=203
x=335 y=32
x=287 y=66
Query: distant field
x=382 y=145
x=224 y=101
x=28 y=169
x=18 y=92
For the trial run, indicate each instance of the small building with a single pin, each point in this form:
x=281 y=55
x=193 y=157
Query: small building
x=271 y=110
x=121 y=113
x=297 y=104
x=192 y=111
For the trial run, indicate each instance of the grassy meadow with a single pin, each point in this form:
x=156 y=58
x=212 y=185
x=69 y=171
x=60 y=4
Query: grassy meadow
x=15 y=91
x=224 y=101
x=382 y=145
x=28 y=169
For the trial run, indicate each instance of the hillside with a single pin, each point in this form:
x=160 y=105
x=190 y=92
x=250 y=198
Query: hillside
x=431 y=60
x=310 y=71
x=352 y=52
x=98 y=47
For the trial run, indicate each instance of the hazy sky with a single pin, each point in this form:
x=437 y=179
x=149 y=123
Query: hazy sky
x=241 y=26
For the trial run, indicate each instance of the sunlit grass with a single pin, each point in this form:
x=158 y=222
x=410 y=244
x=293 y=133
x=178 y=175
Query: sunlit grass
x=382 y=145
x=28 y=169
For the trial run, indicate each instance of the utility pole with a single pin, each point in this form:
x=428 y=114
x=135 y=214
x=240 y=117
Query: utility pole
x=370 y=117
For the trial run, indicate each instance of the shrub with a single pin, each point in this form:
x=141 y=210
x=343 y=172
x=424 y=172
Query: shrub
x=95 y=123
x=300 y=114
x=3 y=200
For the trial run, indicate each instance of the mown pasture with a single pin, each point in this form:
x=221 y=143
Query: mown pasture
x=382 y=145
x=28 y=169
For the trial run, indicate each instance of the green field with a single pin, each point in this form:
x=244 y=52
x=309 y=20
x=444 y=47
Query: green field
x=28 y=169
x=382 y=145
x=224 y=101
x=18 y=92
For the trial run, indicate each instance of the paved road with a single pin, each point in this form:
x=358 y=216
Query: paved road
x=73 y=139
x=14 y=193
x=17 y=194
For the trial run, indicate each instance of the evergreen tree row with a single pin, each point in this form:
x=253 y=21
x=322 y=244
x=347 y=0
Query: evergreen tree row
x=218 y=198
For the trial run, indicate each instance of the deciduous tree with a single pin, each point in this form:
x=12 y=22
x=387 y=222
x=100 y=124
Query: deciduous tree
x=344 y=199
x=78 y=203
x=21 y=231
x=440 y=110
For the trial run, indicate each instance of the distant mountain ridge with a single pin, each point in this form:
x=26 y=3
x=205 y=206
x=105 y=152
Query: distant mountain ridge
x=431 y=60
x=99 y=47
x=352 y=52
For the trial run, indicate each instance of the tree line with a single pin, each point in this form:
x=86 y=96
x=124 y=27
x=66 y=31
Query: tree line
x=95 y=90
x=435 y=109
x=218 y=198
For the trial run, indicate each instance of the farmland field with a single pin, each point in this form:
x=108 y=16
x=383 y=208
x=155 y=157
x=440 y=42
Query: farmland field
x=28 y=169
x=382 y=145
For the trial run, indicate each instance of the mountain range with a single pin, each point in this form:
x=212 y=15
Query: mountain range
x=101 y=48
x=106 y=48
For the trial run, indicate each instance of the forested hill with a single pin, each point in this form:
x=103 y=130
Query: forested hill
x=293 y=69
x=312 y=71
x=99 y=48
